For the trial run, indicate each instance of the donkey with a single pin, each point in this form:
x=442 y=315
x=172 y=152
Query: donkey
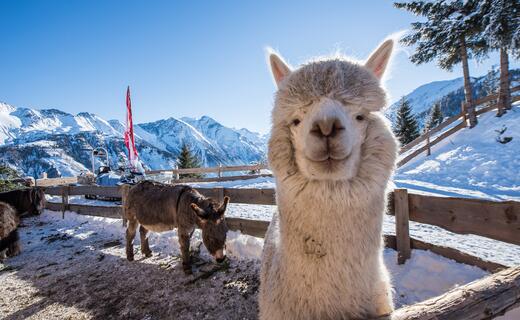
x=9 y=237
x=30 y=201
x=158 y=207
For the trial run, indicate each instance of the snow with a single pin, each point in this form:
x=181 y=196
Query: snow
x=87 y=253
x=470 y=163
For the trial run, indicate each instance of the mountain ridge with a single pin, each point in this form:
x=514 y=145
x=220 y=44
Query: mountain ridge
x=53 y=141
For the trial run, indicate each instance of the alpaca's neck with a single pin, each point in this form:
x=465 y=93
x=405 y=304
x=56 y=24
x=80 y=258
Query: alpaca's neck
x=329 y=211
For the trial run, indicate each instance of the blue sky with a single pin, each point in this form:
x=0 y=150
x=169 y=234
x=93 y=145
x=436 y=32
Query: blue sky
x=187 y=58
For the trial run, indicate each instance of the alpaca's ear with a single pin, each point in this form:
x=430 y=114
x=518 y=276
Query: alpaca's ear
x=279 y=68
x=378 y=60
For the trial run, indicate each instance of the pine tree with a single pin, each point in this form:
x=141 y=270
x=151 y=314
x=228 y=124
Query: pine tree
x=406 y=128
x=188 y=160
x=500 y=30
x=448 y=35
x=435 y=118
x=490 y=84
x=7 y=175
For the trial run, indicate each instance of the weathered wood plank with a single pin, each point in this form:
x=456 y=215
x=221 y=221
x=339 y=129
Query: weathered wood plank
x=55 y=181
x=251 y=196
x=438 y=139
x=493 y=97
x=98 y=211
x=95 y=190
x=433 y=131
x=495 y=220
x=401 y=225
x=482 y=299
x=211 y=169
x=255 y=228
x=447 y=252
x=457 y=255
x=217 y=179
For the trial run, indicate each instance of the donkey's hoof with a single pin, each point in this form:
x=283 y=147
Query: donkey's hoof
x=130 y=258
x=187 y=268
x=147 y=254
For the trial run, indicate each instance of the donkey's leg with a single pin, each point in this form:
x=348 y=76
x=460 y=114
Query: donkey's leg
x=14 y=247
x=130 y=234
x=184 y=242
x=145 y=246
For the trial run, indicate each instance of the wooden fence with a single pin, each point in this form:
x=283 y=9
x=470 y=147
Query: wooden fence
x=495 y=220
x=427 y=136
x=218 y=170
x=482 y=299
x=47 y=182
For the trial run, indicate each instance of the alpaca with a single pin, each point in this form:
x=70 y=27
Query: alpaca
x=332 y=154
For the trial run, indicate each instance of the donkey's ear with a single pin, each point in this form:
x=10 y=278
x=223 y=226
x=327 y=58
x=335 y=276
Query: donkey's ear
x=198 y=211
x=223 y=207
x=378 y=60
x=279 y=68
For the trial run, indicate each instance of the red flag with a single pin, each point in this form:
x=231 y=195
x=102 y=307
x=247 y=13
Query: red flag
x=129 y=132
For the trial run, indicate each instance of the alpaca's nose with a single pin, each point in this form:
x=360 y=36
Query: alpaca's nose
x=326 y=128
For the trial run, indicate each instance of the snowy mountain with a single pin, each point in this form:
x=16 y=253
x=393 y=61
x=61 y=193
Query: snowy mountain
x=449 y=93
x=59 y=143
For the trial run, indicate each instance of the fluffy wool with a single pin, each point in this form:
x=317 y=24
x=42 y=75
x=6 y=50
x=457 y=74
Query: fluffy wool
x=322 y=255
x=9 y=240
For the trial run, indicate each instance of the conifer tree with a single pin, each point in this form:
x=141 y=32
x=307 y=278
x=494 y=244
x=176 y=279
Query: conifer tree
x=449 y=35
x=7 y=175
x=406 y=128
x=500 y=30
x=435 y=118
x=188 y=160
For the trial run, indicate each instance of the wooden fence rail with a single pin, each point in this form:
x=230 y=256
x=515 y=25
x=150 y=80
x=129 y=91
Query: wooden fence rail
x=486 y=298
x=255 y=167
x=460 y=116
x=258 y=228
x=495 y=220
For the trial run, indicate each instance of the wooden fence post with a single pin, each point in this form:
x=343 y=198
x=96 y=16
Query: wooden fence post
x=64 y=200
x=402 y=231
x=220 y=194
x=464 y=113
x=220 y=170
x=123 y=202
x=428 y=150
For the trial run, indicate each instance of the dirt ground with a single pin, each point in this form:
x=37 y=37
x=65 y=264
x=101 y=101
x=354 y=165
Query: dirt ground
x=78 y=271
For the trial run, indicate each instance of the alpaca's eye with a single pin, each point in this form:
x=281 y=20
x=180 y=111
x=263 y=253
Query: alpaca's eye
x=296 y=122
x=360 y=117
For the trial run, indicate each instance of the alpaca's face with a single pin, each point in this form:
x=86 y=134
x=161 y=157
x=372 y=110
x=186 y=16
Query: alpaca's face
x=324 y=109
x=327 y=136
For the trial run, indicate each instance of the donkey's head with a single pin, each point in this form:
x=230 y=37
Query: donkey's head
x=323 y=111
x=210 y=217
x=35 y=201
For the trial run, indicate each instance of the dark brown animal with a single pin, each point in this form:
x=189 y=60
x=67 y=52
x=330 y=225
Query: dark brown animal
x=158 y=207
x=9 y=237
x=29 y=201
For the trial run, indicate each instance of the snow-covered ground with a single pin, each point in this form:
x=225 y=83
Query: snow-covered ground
x=470 y=163
x=66 y=264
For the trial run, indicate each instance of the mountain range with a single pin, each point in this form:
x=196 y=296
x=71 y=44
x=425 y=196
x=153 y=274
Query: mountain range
x=59 y=143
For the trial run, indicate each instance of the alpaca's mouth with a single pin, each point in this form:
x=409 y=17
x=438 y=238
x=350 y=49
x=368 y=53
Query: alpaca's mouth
x=329 y=159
